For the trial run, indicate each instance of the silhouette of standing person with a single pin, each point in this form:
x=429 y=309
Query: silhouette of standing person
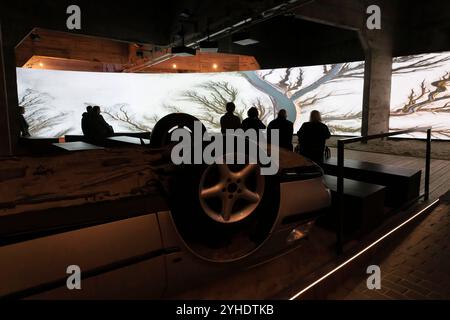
x=285 y=127
x=23 y=124
x=312 y=137
x=252 y=121
x=229 y=120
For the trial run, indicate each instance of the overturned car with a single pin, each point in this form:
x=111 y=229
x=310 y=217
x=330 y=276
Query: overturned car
x=199 y=221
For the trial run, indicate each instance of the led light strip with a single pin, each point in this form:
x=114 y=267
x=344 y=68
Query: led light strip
x=362 y=251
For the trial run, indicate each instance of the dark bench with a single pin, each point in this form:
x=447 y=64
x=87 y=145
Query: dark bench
x=74 y=138
x=402 y=184
x=363 y=205
x=80 y=137
x=143 y=135
x=38 y=145
x=76 y=146
x=126 y=140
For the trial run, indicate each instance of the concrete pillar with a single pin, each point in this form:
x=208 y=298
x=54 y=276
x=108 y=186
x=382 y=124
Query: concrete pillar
x=377 y=46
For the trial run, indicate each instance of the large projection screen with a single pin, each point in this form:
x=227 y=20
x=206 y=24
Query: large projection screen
x=55 y=100
x=420 y=95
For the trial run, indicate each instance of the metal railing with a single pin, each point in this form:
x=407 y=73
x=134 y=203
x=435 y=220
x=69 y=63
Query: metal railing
x=340 y=172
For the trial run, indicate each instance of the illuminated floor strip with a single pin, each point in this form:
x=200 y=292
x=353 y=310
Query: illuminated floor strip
x=362 y=251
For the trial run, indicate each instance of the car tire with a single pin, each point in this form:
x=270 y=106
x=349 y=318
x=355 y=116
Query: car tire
x=161 y=133
x=211 y=237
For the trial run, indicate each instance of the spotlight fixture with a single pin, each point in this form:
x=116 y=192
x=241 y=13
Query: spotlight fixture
x=215 y=66
x=174 y=66
x=243 y=39
x=41 y=64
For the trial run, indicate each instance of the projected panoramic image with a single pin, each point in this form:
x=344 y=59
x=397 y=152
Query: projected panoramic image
x=55 y=100
x=420 y=94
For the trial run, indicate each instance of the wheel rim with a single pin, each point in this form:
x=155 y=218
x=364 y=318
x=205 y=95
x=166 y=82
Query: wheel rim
x=236 y=194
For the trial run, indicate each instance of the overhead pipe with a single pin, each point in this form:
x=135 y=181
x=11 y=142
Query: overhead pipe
x=267 y=14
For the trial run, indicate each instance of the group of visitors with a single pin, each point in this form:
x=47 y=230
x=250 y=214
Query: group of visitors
x=311 y=136
x=231 y=121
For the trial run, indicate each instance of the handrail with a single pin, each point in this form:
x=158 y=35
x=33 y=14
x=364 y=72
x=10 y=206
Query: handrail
x=340 y=172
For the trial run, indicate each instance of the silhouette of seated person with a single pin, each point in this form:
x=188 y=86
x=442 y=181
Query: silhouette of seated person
x=285 y=127
x=98 y=128
x=229 y=120
x=85 y=121
x=312 y=137
x=23 y=124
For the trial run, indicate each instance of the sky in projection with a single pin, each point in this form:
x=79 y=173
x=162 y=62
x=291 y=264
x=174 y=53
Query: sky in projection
x=55 y=100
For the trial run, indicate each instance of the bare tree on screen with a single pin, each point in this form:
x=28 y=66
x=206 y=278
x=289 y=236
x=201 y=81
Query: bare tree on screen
x=300 y=97
x=212 y=99
x=296 y=97
x=121 y=114
x=41 y=117
x=287 y=85
x=423 y=100
x=212 y=103
x=408 y=64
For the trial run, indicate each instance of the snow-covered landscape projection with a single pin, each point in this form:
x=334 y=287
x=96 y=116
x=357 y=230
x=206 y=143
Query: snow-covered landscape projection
x=55 y=100
x=420 y=95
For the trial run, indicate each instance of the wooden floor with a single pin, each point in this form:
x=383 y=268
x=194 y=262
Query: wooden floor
x=415 y=263
x=440 y=169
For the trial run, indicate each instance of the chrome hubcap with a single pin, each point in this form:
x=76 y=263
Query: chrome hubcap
x=230 y=196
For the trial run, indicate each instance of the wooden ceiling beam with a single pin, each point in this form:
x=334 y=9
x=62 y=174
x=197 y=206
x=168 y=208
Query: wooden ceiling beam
x=70 y=46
